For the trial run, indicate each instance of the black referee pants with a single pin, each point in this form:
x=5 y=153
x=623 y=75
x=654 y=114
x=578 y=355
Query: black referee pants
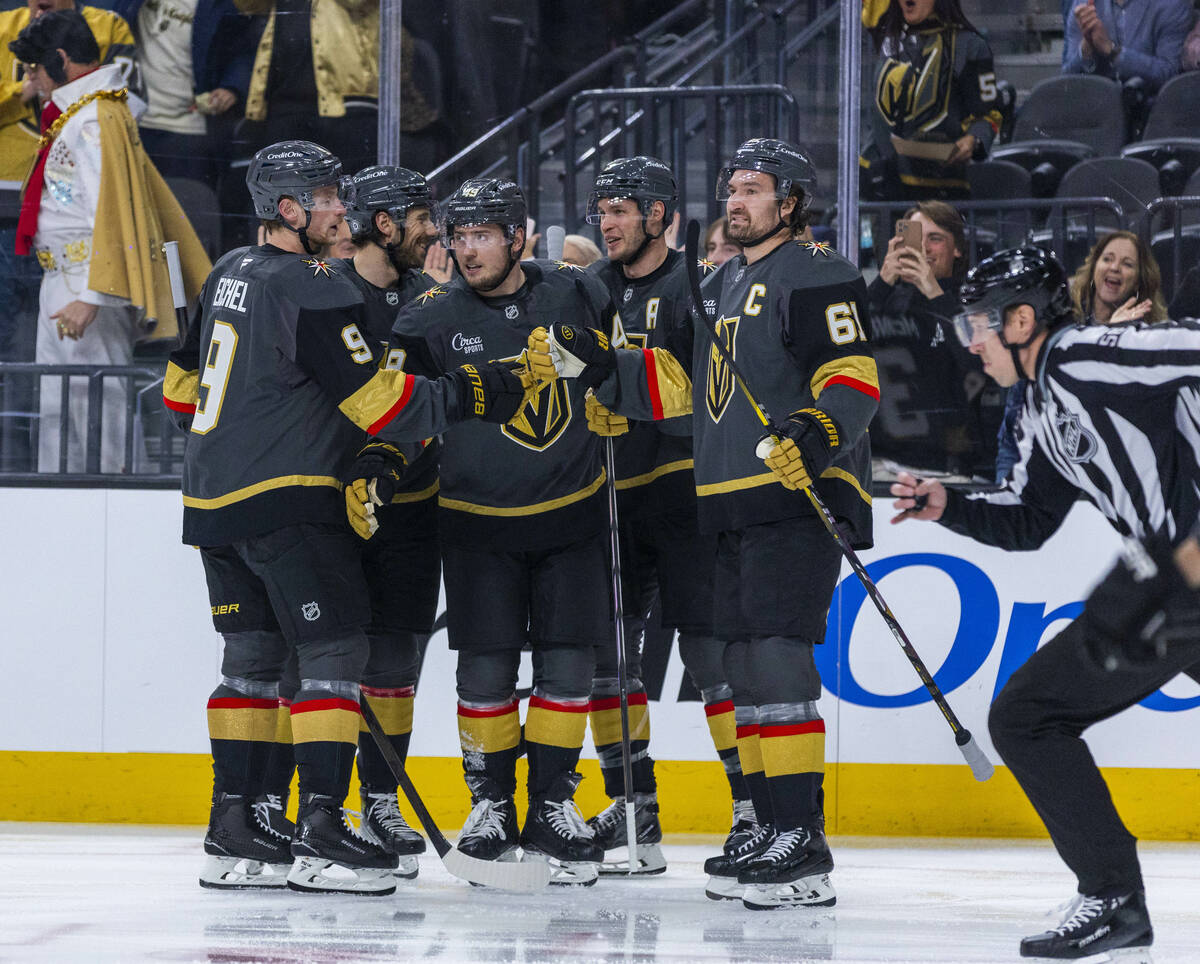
x=1037 y=722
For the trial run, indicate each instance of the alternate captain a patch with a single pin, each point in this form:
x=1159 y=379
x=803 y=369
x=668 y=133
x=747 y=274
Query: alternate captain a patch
x=319 y=266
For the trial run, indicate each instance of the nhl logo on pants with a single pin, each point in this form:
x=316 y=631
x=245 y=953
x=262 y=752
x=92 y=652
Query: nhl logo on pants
x=311 y=611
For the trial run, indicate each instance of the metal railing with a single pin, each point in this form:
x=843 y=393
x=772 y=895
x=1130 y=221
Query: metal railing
x=85 y=407
x=1171 y=226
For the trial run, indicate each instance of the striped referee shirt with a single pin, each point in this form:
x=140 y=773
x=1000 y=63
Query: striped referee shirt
x=1113 y=417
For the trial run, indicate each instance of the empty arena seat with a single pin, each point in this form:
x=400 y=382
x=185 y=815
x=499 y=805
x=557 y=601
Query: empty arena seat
x=1170 y=141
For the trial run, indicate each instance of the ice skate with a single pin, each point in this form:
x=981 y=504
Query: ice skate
x=271 y=809
x=1118 y=926
x=802 y=852
x=555 y=832
x=745 y=842
x=383 y=823
x=609 y=827
x=490 y=832
x=330 y=857
x=243 y=853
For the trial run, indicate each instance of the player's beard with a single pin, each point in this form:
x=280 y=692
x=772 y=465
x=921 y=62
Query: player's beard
x=488 y=279
x=631 y=247
x=408 y=255
x=741 y=233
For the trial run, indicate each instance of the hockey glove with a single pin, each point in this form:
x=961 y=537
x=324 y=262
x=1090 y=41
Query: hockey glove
x=583 y=353
x=1125 y=619
x=603 y=422
x=541 y=361
x=494 y=392
x=800 y=448
x=371 y=481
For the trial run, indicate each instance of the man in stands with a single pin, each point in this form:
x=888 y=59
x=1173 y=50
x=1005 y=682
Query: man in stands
x=1133 y=38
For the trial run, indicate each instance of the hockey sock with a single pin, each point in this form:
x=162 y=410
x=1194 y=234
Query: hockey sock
x=792 y=739
x=281 y=763
x=554 y=729
x=750 y=756
x=718 y=708
x=604 y=711
x=394 y=709
x=490 y=736
x=241 y=729
x=325 y=724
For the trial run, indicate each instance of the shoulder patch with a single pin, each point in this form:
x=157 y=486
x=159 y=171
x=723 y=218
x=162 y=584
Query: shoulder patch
x=430 y=294
x=564 y=265
x=708 y=267
x=319 y=266
x=815 y=246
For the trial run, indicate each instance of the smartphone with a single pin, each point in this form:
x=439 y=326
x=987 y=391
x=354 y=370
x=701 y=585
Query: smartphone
x=912 y=234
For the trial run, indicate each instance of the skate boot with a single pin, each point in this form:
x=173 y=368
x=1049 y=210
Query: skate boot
x=609 y=827
x=555 y=833
x=792 y=872
x=491 y=831
x=243 y=853
x=747 y=838
x=383 y=823
x=1095 y=925
x=271 y=809
x=331 y=857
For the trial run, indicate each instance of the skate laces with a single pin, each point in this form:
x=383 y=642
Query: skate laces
x=486 y=820
x=783 y=843
x=354 y=831
x=262 y=814
x=567 y=821
x=1086 y=910
x=761 y=832
x=386 y=810
x=611 y=816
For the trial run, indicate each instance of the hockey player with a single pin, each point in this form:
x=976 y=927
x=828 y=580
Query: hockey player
x=662 y=551
x=276 y=386
x=521 y=527
x=794 y=316
x=1111 y=416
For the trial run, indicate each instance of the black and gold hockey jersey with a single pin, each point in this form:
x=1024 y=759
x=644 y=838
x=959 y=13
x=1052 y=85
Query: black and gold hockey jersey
x=796 y=323
x=538 y=481
x=277 y=384
x=653 y=459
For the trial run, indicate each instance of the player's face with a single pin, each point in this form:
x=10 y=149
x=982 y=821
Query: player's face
x=940 y=249
x=621 y=226
x=916 y=11
x=39 y=7
x=419 y=233
x=1116 y=273
x=719 y=248
x=751 y=207
x=327 y=213
x=483 y=253
x=342 y=246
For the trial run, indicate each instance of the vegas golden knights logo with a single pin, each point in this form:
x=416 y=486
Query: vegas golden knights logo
x=915 y=94
x=720 y=378
x=543 y=417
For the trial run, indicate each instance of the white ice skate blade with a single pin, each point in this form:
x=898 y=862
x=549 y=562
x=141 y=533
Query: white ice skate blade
x=1122 y=955
x=815 y=891
x=724 y=888
x=239 y=873
x=407 y=868
x=316 y=875
x=505 y=873
x=649 y=860
x=564 y=873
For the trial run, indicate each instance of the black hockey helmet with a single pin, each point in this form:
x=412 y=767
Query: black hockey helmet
x=384 y=188
x=789 y=165
x=1018 y=276
x=484 y=200
x=293 y=169
x=643 y=179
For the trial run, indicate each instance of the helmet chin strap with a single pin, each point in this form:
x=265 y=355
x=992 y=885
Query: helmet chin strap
x=302 y=233
x=647 y=237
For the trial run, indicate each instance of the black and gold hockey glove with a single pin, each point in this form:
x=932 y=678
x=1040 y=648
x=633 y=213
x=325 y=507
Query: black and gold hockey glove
x=804 y=445
x=495 y=391
x=541 y=361
x=371 y=481
x=602 y=421
x=583 y=353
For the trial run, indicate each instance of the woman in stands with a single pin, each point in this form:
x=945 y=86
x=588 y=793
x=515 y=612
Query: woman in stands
x=1118 y=283
x=935 y=94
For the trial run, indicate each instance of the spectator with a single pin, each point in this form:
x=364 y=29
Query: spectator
x=1119 y=282
x=717 y=247
x=195 y=58
x=579 y=250
x=1123 y=39
x=933 y=411
x=936 y=85
x=1189 y=58
x=96 y=210
x=1186 y=303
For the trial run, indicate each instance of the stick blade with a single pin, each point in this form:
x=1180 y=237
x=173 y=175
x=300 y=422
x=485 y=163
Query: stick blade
x=524 y=877
x=980 y=765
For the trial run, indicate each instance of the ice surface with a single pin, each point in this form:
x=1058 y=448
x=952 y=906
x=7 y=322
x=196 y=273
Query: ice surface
x=92 y=893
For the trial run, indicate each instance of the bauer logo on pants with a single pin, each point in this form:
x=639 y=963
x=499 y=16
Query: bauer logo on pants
x=311 y=611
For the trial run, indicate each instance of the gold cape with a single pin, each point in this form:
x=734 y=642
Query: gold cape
x=136 y=213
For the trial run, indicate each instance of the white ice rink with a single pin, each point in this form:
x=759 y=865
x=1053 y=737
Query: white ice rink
x=97 y=894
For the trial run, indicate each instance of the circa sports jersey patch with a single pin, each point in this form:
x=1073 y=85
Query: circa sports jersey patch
x=430 y=294
x=815 y=246
x=1079 y=445
x=319 y=266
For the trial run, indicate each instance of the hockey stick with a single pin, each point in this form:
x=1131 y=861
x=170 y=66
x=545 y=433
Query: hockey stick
x=610 y=467
x=980 y=765
x=178 y=293
x=503 y=875
x=555 y=236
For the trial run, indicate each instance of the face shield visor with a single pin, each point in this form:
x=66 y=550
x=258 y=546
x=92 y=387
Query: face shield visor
x=977 y=325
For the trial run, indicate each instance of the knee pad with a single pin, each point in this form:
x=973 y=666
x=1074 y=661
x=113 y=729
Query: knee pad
x=487 y=678
x=782 y=670
x=703 y=658
x=257 y=655
x=394 y=660
x=337 y=658
x=566 y=671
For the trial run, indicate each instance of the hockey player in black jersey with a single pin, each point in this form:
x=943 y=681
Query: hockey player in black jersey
x=663 y=553
x=275 y=384
x=794 y=316
x=1110 y=415
x=522 y=526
